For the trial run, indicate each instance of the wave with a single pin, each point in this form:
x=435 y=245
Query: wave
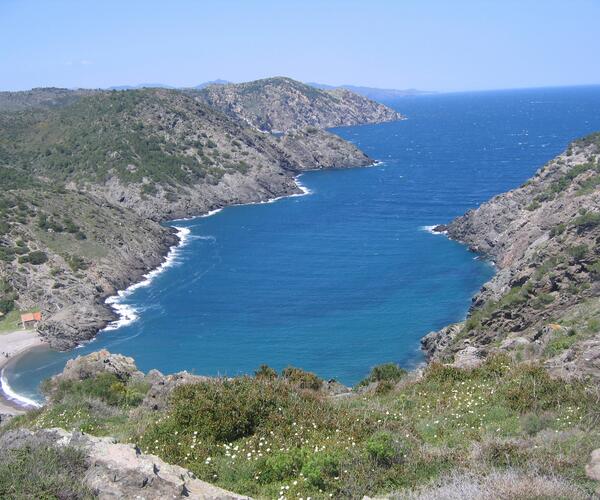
x=128 y=314
x=11 y=395
x=430 y=229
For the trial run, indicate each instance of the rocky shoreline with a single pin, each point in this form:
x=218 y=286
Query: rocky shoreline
x=92 y=236
x=543 y=301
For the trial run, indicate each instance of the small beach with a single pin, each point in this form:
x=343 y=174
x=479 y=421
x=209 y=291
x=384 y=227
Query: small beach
x=14 y=344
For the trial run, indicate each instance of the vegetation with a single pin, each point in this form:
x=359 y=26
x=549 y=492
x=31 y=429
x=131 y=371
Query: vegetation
x=43 y=472
x=269 y=437
x=7 y=297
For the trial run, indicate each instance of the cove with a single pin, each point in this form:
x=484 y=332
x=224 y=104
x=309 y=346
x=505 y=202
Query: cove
x=346 y=277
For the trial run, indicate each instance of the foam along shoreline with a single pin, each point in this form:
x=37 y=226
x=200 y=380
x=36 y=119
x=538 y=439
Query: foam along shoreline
x=126 y=313
x=13 y=345
x=431 y=229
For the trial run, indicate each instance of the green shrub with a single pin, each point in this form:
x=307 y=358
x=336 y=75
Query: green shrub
x=558 y=229
x=301 y=378
x=389 y=372
x=532 y=423
x=38 y=257
x=578 y=252
x=532 y=389
x=266 y=372
x=321 y=468
x=106 y=387
x=383 y=448
x=227 y=410
x=587 y=221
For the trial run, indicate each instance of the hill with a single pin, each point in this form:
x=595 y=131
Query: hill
x=506 y=407
x=543 y=302
x=282 y=104
x=86 y=177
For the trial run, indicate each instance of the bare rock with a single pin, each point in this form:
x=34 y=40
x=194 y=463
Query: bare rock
x=92 y=365
x=117 y=471
x=592 y=469
x=469 y=357
x=157 y=397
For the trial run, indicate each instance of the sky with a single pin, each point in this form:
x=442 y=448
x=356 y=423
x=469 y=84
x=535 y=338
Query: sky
x=441 y=45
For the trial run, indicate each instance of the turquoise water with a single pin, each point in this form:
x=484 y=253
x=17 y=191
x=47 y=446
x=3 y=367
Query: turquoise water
x=345 y=277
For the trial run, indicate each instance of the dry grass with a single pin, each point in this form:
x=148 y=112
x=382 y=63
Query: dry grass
x=500 y=484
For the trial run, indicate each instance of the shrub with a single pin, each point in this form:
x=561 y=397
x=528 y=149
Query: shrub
x=301 y=378
x=319 y=468
x=558 y=229
x=389 y=372
x=106 y=387
x=578 y=252
x=531 y=389
x=532 y=423
x=383 y=448
x=36 y=258
x=587 y=221
x=266 y=372
x=227 y=410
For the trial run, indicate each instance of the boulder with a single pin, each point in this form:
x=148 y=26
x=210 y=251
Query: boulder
x=96 y=363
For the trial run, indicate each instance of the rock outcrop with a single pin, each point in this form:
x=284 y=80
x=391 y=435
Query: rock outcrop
x=89 y=199
x=544 y=238
x=282 y=104
x=116 y=471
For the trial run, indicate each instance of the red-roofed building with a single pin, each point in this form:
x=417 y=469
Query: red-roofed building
x=31 y=319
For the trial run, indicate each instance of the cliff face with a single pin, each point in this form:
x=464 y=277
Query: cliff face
x=87 y=176
x=282 y=104
x=543 y=237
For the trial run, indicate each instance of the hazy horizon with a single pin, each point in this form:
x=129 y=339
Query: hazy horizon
x=434 y=46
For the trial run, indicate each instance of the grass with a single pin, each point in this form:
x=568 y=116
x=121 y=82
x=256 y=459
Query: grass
x=269 y=437
x=43 y=472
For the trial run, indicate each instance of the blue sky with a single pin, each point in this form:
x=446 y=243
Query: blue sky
x=427 y=44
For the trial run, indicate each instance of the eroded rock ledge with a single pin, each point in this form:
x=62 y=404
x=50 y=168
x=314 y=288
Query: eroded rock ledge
x=543 y=303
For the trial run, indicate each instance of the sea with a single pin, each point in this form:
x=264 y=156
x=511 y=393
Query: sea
x=348 y=275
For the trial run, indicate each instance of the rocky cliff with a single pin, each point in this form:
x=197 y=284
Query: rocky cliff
x=282 y=104
x=544 y=237
x=88 y=176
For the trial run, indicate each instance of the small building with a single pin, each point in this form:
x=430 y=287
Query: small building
x=31 y=319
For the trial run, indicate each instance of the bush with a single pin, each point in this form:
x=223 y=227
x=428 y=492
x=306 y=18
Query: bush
x=106 y=387
x=587 y=221
x=266 y=372
x=301 y=378
x=319 y=468
x=384 y=449
x=578 y=252
x=388 y=372
x=227 y=410
x=36 y=258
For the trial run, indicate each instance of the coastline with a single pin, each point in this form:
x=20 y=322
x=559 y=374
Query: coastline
x=13 y=345
x=12 y=403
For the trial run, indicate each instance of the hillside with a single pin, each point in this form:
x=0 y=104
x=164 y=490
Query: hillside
x=282 y=104
x=507 y=406
x=86 y=181
x=544 y=301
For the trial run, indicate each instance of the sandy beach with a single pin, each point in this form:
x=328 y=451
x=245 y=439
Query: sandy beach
x=12 y=344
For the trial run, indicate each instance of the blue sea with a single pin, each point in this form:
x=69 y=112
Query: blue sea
x=347 y=276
